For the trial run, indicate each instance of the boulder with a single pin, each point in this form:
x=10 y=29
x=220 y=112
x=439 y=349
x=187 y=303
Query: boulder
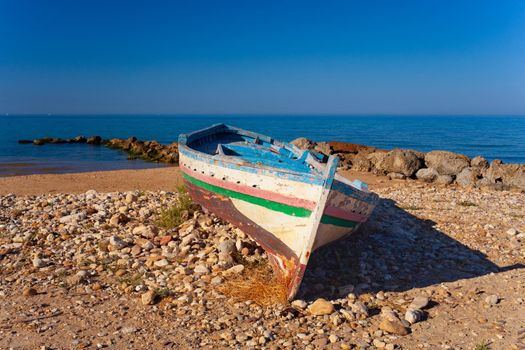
x=446 y=163
x=512 y=175
x=376 y=161
x=353 y=148
x=303 y=143
x=400 y=161
x=444 y=179
x=427 y=174
x=324 y=148
x=396 y=176
x=361 y=163
x=468 y=177
x=479 y=162
x=94 y=140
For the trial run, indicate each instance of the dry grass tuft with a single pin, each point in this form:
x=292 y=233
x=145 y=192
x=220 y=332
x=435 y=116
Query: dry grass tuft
x=258 y=284
x=178 y=213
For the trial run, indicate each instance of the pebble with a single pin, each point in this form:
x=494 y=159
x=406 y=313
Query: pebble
x=38 y=263
x=393 y=327
x=300 y=304
x=29 y=292
x=512 y=232
x=379 y=343
x=130 y=198
x=414 y=315
x=419 y=302
x=492 y=299
x=119 y=262
x=321 y=307
x=148 y=298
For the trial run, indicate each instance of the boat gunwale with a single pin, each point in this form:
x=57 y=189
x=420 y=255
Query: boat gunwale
x=313 y=178
x=239 y=164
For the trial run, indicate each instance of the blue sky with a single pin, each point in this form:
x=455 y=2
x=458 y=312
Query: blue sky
x=258 y=57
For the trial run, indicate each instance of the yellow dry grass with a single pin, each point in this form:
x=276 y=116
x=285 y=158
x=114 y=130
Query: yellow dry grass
x=258 y=284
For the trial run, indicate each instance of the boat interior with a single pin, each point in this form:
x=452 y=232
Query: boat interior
x=254 y=149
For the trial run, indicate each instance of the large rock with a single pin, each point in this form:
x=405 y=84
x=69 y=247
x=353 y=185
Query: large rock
x=353 y=148
x=468 y=177
x=427 y=174
x=361 y=163
x=324 y=148
x=94 y=140
x=303 y=143
x=446 y=163
x=376 y=160
x=508 y=174
x=479 y=162
x=400 y=161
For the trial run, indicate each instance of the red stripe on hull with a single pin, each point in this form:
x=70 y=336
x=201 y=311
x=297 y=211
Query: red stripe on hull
x=344 y=214
x=252 y=191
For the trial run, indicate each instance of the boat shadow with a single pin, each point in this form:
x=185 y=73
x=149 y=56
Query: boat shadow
x=394 y=251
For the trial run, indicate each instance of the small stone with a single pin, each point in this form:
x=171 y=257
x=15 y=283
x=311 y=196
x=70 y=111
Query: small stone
x=117 y=242
x=379 y=344
x=227 y=247
x=117 y=219
x=360 y=308
x=414 y=316
x=492 y=299
x=201 y=269
x=145 y=231
x=512 y=232
x=419 y=302
x=393 y=326
x=78 y=278
x=237 y=269
x=148 y=298
x=164 y=240
x=300 y=304
x=216 y=280
x=321 y=307
x=38 y=263
x=29 y=292
x=130 y=198
x=390 y=347
x=333 y=338
x=161 y=263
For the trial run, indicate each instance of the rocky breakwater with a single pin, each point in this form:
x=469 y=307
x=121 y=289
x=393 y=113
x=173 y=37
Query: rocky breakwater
x=442 y=167
x=136 y=149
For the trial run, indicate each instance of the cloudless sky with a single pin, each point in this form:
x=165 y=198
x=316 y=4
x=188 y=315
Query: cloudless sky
x=244 y=56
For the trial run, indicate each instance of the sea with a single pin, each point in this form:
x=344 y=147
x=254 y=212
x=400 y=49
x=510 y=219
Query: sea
x=494 y=137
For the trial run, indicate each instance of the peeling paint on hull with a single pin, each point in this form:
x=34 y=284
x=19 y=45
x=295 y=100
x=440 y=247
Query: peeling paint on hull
x=287 y=200
x=284 y=259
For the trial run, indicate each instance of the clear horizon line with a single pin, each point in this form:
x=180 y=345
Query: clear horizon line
x=268 y=114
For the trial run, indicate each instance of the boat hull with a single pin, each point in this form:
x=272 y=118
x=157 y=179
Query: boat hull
x=279 y=223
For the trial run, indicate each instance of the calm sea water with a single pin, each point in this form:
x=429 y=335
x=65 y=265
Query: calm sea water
x=493 y=137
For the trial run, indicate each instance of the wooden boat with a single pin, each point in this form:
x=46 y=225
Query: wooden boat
x=288 y=200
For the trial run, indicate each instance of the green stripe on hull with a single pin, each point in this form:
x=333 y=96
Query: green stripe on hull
x=331 y=220
x=283 y=208
x=275 y=206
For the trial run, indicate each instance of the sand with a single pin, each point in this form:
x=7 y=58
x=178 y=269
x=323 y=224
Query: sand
x=158 y=179
x=166 y=179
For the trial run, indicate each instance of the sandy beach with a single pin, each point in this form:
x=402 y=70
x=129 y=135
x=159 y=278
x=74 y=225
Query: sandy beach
x=82 y=254
x=163 y=179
